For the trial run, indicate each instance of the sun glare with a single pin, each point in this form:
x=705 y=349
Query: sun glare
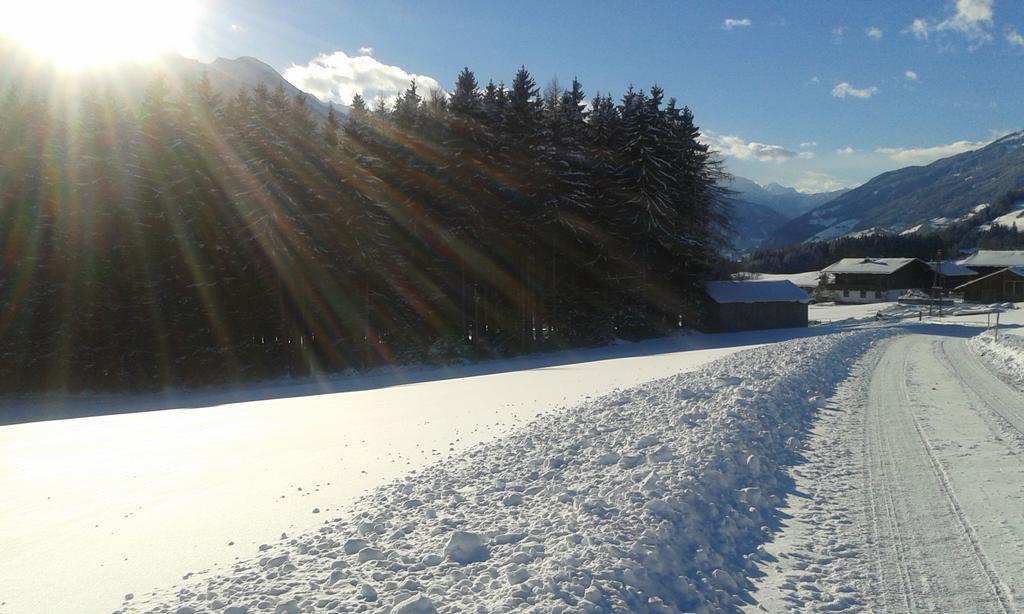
x=76 y=33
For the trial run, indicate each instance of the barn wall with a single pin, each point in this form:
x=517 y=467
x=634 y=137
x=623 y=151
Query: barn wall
x=994 y=289
x=754 y=316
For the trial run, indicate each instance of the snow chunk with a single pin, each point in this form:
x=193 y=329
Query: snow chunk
x=370 y=554
x=512 y=500
x=417 y=604
x=517 y=575
x=354 y=545
x=368 y=593
x=465 y=548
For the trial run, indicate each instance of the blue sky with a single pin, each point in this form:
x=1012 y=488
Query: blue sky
x=807 y=93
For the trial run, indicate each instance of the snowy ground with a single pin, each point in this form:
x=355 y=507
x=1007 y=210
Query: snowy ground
x=650 y=499
x=912 y=493
x=97 y=507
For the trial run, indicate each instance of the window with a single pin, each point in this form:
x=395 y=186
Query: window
x=846 y=293
x=863 y=293
x=878 y=294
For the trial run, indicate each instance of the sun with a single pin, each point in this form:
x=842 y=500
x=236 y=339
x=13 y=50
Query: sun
x=82 y=33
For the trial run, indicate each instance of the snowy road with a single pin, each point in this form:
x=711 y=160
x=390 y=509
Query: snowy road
x=913 y=494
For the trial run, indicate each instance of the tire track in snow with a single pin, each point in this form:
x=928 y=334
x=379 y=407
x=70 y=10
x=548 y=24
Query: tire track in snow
x=1000 y=405
x=879 y=494
x=937 y=527
x=998 y=588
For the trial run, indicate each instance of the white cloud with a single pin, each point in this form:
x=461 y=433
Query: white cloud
x=237 y=28
x=805 y=155
x=874 y=32
x=924 y=155
x=846 y=151
x=808 y=144
x=844 y=89
x=731 y=145
x=838 y=33
x=338 y=77
x=811 y=182
x=971 y=18
x=920 y=28
x=1014 y=37
x=731 y=23
x=910 y=75
x=366 y=51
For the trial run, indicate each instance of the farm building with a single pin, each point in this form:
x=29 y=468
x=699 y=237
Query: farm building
x=873 y=280
x=952 y=275
x=1005 y=286
x=749 y=305
x=986 y=261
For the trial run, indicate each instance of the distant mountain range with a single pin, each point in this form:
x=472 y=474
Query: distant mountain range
x=784 y=200
x=759 y=211
x=916 y=198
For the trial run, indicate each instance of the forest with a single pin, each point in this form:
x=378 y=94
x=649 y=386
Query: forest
x=184 y=238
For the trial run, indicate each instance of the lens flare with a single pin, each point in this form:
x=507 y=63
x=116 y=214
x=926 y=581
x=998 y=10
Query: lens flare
x=75 y=34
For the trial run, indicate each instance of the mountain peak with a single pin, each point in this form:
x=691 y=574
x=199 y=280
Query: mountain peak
x=786 y=200
x=944 y=192
x=776 y=188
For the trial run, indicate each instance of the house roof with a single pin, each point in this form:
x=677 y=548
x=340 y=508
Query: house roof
x=781 y=291
x=1015 y=270
x=868 y=266
x=808 y=279
x=951 y=269
x=992 y=257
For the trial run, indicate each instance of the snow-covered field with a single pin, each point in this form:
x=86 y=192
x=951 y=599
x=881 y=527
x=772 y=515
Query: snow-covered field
x=580 y=483
x=94 y=508
x=642 y=500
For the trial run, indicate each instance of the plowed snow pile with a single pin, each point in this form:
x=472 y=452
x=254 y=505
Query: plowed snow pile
x=650 y=499
x=1005 y=353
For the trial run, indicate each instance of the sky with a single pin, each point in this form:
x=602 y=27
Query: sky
x=816 y=95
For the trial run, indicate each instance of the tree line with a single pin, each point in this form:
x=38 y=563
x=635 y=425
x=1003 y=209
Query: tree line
x=187 y=238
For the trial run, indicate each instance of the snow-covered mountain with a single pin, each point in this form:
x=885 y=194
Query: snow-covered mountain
x=229 y=76
x=753 y=224
x=784 y=200
x=917 y=198
x=759 y=211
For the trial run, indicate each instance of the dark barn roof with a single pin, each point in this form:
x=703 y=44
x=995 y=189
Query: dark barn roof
x=782 y=291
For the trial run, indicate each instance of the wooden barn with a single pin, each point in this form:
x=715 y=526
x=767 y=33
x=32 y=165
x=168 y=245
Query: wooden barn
x=987 y=261
x=750 y=305
x=952 y=275
x=1005 y=286
x=874 y=280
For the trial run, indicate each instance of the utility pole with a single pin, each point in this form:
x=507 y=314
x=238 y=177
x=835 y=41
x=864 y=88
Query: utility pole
x=935 y=283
